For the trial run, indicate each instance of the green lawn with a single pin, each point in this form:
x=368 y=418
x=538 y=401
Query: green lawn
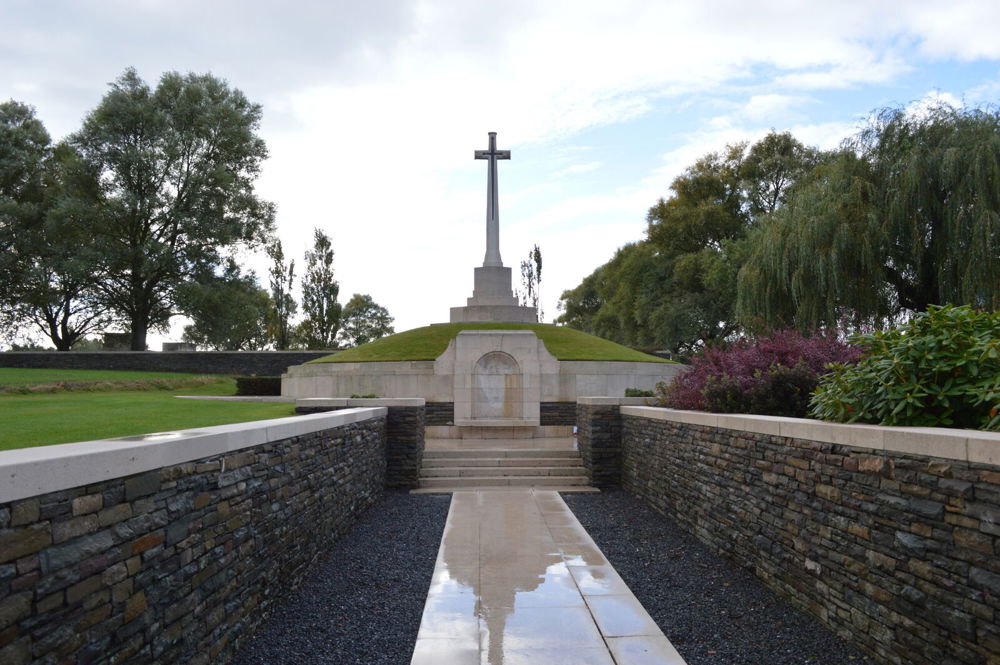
x=62 y=417
x=430 y=342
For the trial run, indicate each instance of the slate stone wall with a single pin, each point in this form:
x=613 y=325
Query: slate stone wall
x=599 y=440
x=179 y=564
x=557 y=413
x=895 y=552
x=551 y=413
x=261 y=363
x=404 y=447
x=440 y=413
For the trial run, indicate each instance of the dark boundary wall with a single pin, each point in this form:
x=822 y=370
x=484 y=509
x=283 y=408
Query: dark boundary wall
x=178 y=564
x=550 y=413
x=893 y=551
x=260 y=363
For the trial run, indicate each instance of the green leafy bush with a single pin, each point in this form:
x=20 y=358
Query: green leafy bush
x=638 y=392
x=940 y=369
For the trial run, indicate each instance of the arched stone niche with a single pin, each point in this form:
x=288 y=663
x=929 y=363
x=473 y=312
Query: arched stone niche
x=497 y=387
x=496 y=376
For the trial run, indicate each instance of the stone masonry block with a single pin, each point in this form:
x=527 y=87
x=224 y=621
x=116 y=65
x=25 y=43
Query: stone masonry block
x=24 y=541
x=142 y=485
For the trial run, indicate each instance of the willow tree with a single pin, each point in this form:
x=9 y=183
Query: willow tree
x=907 y=215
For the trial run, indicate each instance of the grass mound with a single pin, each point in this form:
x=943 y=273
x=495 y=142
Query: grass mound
x=431 y=341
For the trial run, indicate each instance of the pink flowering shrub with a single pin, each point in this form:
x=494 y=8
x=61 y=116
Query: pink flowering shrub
x=773 y=375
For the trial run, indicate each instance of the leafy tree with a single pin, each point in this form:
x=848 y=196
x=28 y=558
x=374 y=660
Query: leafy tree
x=364 y=320
x=319 y=296
x=25 y=145
x=531 y=279
x=283 y=305
x=907 y=215
x=175 y=167
x=771 y=168
x=676 y=289
x=229 y=311
x=46 y=279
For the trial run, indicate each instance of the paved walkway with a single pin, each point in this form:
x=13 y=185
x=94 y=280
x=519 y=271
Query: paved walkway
x=519 y=581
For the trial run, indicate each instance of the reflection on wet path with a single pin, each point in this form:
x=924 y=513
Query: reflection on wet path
x=519 y=581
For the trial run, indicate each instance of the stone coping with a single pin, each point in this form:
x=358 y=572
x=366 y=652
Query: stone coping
x=27 y=472
x=959 y=444
x=615 y=401
x=359 y=401
x=497 y=422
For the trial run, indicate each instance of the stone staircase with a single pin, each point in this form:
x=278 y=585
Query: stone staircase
x=448 y=470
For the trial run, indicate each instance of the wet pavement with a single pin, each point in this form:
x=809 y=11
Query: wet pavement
x=518 y=581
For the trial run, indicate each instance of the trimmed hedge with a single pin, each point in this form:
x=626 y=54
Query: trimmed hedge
x=258 y=386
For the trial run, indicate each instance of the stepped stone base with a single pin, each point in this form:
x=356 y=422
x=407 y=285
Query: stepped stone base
x=464 y=469
x=493 y=313
x=492 y=300
x=493 y=432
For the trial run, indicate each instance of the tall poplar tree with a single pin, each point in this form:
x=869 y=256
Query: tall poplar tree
x=283 y=305
x=321 y=324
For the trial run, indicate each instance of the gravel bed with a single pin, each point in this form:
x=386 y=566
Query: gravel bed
x=714 y=612
x=361 y=603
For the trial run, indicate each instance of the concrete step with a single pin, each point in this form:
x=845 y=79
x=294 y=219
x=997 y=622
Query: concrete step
x=449 y=489
x=500 y=471
x=504 y=481
x=443 y=462
x=499 y=453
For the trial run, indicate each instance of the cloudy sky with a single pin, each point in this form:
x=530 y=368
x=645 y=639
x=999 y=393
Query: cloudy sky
x=373 y=108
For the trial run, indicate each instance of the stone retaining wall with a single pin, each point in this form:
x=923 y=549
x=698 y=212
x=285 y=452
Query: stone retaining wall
x=887 y=535
x=260 y=363
x=405 y=429
x=174 y=563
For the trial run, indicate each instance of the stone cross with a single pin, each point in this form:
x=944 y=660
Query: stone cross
x=492 y=207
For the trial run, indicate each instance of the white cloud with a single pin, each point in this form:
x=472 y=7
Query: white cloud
x=934 y=98
x=965 y=29
x=771 y=107
x=580 y=168
x=372 y=109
